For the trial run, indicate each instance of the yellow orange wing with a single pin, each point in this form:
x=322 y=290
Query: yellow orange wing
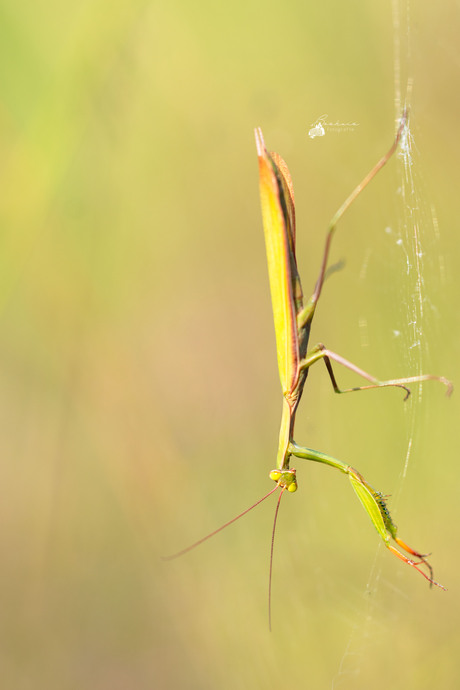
x=278 y=215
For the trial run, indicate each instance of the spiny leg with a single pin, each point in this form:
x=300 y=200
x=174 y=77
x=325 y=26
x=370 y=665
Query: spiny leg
x=321 y=352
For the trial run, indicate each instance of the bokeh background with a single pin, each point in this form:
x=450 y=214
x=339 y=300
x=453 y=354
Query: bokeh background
x=139 y=393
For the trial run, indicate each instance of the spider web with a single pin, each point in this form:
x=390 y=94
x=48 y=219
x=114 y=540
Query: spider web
x=414 y=236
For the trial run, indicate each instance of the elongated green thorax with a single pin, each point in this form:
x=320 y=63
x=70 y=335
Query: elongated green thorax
x=278 y=215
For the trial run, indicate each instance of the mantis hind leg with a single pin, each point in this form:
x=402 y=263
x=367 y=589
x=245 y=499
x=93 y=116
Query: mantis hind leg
x=321 y=352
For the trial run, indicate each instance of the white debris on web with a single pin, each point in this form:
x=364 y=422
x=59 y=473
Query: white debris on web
x=405 y=146
x=410 y=223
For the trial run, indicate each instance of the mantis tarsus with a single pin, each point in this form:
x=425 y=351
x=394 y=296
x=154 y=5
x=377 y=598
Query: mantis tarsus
x=292 y=328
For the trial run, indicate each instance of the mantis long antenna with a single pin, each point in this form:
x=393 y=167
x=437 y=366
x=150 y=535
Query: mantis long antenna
x=271 y=562
x=219 y=529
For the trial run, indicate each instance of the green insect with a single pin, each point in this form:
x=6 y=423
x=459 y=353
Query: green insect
x=293 y=322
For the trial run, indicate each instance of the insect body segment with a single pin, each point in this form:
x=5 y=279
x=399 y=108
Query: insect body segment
x=278 y=214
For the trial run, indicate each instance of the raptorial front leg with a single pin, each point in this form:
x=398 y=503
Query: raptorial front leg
x=421 y=560
x=375 y=506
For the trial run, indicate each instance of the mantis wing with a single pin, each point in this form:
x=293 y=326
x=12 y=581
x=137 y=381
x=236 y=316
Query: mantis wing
x=278 y=215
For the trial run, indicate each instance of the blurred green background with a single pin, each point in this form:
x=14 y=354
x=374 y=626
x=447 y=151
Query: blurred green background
x=140 y=398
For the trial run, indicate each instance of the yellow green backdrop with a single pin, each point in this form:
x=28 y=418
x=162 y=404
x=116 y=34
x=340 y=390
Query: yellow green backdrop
x=139 y=391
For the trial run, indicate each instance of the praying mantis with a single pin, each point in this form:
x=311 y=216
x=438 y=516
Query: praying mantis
x=293 y=322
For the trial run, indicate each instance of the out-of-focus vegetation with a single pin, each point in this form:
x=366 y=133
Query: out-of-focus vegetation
x=139 y=391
